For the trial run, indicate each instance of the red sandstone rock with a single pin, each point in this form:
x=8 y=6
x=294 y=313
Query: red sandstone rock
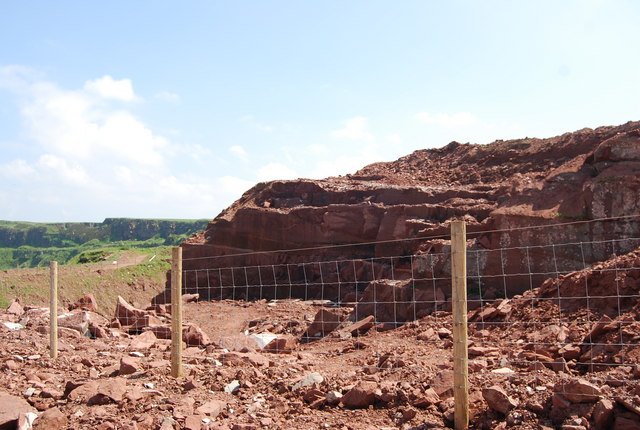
x=240 y=359
x=99 y=392
x=239 y=342
x=512 y=184
x=126 y=313
x=282 y=345
x=86 y=302
x=429 y=397
x=622 y=423
x=442 y=384
x=323 y=323
x=498 y=399
x=193 y=422
x=78 y=321
x=160 y=331
x=189 y=298
x=10 y=409
x=360 y=396
x=360 y=327
x=144 y=341
x=397 y=301
x=15 y=308
x=51 y=419
x=129 y=365
x=578 y=391
x=193 y=335
x=143 y=322
x=211 y=408
x=603 y=414
x=240 y=426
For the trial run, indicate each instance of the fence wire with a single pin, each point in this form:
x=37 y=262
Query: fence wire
x=543 y=314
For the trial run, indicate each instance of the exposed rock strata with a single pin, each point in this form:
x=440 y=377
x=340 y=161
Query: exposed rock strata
x=506 y=185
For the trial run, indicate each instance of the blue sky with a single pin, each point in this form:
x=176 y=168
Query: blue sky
x=173 y=109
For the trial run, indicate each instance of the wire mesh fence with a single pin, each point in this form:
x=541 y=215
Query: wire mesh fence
x=553 y=316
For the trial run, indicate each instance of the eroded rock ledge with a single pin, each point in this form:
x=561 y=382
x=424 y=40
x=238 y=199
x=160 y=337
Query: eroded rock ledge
x=584 y=175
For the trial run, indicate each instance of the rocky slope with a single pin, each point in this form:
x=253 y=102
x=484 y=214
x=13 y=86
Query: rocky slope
x=506 y=185
x=528 y=370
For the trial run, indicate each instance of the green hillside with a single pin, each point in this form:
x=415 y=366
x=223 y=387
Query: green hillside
x=27 y=244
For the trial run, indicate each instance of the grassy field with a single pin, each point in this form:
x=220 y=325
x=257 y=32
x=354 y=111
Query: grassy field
x=137 y=275
x=29 y=245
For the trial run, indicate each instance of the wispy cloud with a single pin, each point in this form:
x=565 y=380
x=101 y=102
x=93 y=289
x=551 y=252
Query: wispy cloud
x=394 y=139
x=239 y=152
x=167 y=96
x=109 y=88
x=80 y=124
x=355 y=129
x=273 y=171
x=467 y=127
x=252 y=122
x=460 y=119
x=90 y=157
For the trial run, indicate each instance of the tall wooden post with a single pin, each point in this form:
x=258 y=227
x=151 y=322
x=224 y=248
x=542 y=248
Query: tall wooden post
x=53 y=310
x=459 y=299
x=176 y=312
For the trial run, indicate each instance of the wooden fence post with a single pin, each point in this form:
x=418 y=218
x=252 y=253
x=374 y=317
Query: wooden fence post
x=459 y=301
x=176 y=312
x=53 y=310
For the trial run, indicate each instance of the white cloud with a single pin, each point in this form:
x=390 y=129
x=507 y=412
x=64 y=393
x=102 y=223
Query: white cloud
x=354 y=129
x=108 y=88
x=76 y=124
x=460 y=119
x=123 y=175
x=167 y=96
x=251 y=121
x=467 y=127
x=17 y=169
x=14 y=77
x=394 y=139
x=239 y=152
x=87 y=159
x=273 y=171
x=344 y=164
x=72 y=174
x=129 y=138
x=233 y=185
x=318 y=149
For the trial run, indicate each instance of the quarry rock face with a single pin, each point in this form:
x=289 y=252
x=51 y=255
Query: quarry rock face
x=506 y=185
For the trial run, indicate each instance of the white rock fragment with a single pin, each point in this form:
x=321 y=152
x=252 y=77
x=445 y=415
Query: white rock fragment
x=263 y=339
x=13 y=326
x=232 y=387
x=309 y=379
x=503 y=371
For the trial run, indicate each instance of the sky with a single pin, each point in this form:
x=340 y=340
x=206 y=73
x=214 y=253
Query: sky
x=158 y=109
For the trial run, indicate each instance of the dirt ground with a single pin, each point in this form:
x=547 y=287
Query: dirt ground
x=398 y=378
x=536 y=361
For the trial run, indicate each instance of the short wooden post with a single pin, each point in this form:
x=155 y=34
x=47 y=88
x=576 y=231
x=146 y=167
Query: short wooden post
x=53 y=310
x=176 y=312
x=459 y=300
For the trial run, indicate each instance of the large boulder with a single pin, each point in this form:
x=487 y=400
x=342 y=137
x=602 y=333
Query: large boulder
x=193 y=335
x=397 y=301
x=324 y=322
x=361 y=395
x=87 y=302
x=11 y=407
x=126 y=313
x=498 y=399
